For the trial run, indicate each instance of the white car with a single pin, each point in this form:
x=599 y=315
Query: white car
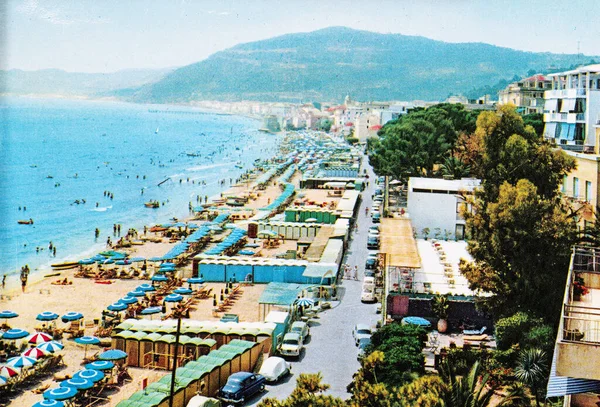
x=274 y=368
x=201 y=401
x=302 y=329
x=361 y=331
x=368 y=293
x=291 y=345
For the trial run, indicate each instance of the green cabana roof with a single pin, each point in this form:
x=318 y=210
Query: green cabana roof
x=139 y=335
x=166 y=338
x=123 y=326
x=152 y=337
x=124 y=334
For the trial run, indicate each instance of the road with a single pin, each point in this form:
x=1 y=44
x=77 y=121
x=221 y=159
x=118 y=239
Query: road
x=330 y=348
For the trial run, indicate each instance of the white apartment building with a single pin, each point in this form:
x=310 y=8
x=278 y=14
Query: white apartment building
x=436 y=204
x=572 y=107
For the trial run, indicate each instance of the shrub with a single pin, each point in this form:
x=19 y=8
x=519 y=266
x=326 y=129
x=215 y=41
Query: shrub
x=512 y=330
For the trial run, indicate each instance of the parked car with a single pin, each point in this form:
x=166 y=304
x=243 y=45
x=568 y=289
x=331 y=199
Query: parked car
x=368 y=293
x=361 y=331
x=369 y=273
x=371 y=263
x=374 y=229
x=376 y=217
x=302 y=329
x=291 y=345
x=274 y=368
x=240 y=387
x=372 y=242
x=362 y=346
x=201 y=401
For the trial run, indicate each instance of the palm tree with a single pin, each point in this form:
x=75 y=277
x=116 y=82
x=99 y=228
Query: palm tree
x=532 y=370
x=454 y=167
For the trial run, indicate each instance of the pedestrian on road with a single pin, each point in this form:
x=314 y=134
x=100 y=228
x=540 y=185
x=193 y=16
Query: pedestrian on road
x=356 y=273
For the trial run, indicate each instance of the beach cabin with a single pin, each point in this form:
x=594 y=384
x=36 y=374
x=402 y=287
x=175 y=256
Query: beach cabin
x=282 y=321
x=147 y=350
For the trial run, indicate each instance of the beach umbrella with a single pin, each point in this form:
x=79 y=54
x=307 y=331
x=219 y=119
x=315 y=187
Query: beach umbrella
x=122 y=262
x=100 y=365
x=50 y=347
x=193 y=226
x=416 y=321
x=267 y=233
x=60 y=393
x=86 y=261
x=20 y=361
x=72 y=316
x=87 y=340
x=6 y=314
x=49 y=403
x=128 y=300
x=15 y=333
x=108 y=261
x=167 y=264
x=35 y=353
x=155 y=259
x=117 y=306
x=173 y=298
x=215 y=228
x=77 y=383
x=38 y=338
x=46 y=316
x=3 y=381
x=183 y=291
x=151 y=311
x=305 y=302
x=145 y=287
x=112 y=354
x=136 y=293
x=89 y=374
x=195 y=280
x=159 y=278
x=9 y=371
x=137 y=259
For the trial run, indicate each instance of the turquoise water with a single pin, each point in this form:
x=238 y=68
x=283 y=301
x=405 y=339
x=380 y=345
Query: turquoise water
x=55 y=152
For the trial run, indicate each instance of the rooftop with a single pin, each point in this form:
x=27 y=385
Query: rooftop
x=582 y=69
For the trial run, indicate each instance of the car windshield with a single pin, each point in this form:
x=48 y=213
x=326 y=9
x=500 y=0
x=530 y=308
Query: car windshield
x=290 y=342
x=363 y=332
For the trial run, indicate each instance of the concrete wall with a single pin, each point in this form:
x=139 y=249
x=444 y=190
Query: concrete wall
x=431 y=210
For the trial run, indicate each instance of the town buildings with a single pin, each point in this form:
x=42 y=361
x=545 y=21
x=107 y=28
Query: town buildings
x=527 y=94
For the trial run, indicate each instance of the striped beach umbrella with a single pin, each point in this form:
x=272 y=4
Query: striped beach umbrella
x=173 y=298
x=35 y=353
x=9 y=371
x=39 y=337
x=136 y=293
x=145 y=287
x=195 y=280
x=20 y=361
x=3 y=381
x=159 y=278
x=6 y=315
x=305 y=302
x=50 y=347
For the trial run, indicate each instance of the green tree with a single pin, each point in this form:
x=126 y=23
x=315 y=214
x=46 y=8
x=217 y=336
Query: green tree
x=308 y=393
x=535 y=120
x=455 y=168
x=516 y=216
x=532 y=370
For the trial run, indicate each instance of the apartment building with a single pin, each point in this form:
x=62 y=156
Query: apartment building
x=527 y=94
x=571 y=109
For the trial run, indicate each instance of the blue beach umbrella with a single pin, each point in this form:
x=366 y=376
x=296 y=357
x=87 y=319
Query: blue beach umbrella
x=151 y=310
x=155 y=259
x=183 y=291
x=21 y=361
x=100 y=365
x=137 y=259
x=49 y=403
x=15 y=333
x=8 y=314
x=122 y=262
x=60 y=393
x=416 y=321
x=46 y=316
x=89 y=374
x=136 y=293
x=72 y=316
x=108 y=261
x=193 y=226
x=145 y=287
x=50 y=347
x=128 y=300
x=112 y=354
x=87 y=340
x=195 y=280
x=77 y=383
x=167 y=264
x=159 y=278
x=98 y=257
x=117 y=306
x=173 y=298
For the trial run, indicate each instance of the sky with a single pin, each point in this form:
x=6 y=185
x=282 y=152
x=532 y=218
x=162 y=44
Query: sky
x=109 y=35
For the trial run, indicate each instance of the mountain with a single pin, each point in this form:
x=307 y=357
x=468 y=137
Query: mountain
x=330 y=63
x=58 y=82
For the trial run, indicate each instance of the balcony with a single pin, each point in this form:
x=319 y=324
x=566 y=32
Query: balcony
x=564 y=93
x=579 y=335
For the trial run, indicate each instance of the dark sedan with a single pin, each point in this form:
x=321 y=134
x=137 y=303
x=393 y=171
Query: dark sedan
x=240 y=387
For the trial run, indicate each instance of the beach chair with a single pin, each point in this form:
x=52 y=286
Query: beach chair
x=474 y=331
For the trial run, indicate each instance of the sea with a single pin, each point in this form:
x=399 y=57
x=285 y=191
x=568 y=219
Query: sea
x=76 y=165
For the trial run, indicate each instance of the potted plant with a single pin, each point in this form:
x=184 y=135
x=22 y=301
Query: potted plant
x=447 y=234
x=579 y=289
x=425 y=233
x=438 y=233
x=440 y=305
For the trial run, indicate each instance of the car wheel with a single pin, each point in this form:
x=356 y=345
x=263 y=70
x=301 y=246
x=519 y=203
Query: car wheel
x=262 y=387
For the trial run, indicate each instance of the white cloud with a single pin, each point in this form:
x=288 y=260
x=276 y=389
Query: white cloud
x=52 y=15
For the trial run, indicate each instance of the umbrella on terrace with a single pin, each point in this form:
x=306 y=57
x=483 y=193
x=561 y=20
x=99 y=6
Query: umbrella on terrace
x=46 y=316
x=60 y=393
x=6 y=315
x=305 y=302
x=117 y=306
x=416 y=321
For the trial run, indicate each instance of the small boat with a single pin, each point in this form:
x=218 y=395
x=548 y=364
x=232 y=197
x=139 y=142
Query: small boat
x=65 y=265
x=152 y=204
x=103 y=281
x=25 y=222
x=52 y=275
x=156 y=132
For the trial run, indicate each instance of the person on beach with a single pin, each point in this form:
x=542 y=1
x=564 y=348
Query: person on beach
x=23 y=281
x=54 y=251
x=4 y=281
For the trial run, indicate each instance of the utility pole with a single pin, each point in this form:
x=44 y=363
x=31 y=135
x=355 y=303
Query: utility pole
x=177 y=315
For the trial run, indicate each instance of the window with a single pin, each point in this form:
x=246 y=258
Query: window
x=563 y=188
x=575 y=187
x=588 y=191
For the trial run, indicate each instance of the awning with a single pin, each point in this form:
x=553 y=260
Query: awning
x=320 y=270
x=567 y=131
x=550 y=105
x=550 y=130
x=568 y=105
x=563 y=385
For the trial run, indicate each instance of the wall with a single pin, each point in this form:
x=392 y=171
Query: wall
x=432 y=211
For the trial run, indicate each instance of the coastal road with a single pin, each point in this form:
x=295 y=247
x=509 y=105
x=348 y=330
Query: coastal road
x=330 y=348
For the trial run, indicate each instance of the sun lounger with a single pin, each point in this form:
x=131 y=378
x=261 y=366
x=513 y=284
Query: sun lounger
x=474 y=331
x=475 y=338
